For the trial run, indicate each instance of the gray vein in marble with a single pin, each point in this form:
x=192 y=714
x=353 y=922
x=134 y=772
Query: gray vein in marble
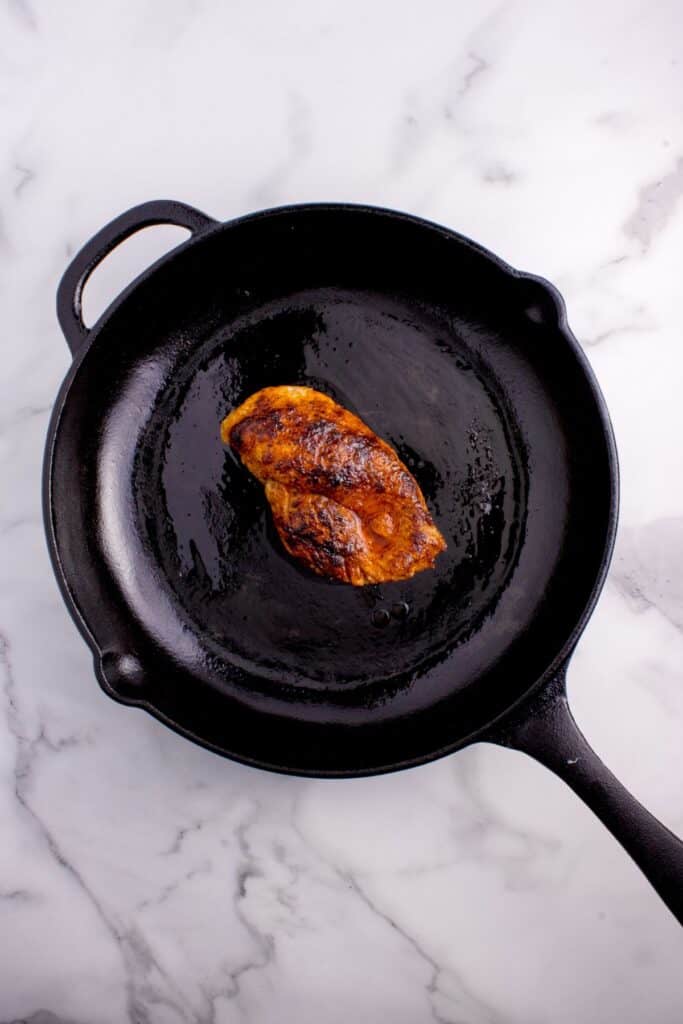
x=168 y=890
x=479 y=66
x=410 y=132
x=299 y=135
x=18 y=523
x=264 y=942
x=519 y=866
x=615 y=120
x=26 y=176
x=648 y=567
x=478 y=1012
x=17 y=895
x=63 y=743
x=611 y=332
x=138 y=960
x=419 y=119
x=616 y=260
x=23 y=414
x=498 y=174
x=656 y=205
x=432 y=987
x=4 y=238
x=142 y=990
x=44 y=1017
x=24 y=13
x=180 y=836
x=459 y=998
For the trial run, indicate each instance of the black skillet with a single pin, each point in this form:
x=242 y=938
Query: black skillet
x=163 y=544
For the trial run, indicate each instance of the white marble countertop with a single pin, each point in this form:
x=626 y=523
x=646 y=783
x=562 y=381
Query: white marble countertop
x=145 y=880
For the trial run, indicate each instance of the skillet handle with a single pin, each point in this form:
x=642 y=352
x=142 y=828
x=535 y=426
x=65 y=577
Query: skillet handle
x=545 y=729
x=70 y=291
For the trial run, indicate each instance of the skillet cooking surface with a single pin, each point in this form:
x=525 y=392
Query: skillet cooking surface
x=462 y=365
x=211 y=530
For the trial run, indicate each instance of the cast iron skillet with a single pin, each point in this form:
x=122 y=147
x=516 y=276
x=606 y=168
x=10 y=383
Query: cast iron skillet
x=163 y=544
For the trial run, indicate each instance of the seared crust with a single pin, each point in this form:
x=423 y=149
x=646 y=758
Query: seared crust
x=342 y=501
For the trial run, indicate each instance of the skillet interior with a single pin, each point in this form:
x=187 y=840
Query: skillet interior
x=166 y=543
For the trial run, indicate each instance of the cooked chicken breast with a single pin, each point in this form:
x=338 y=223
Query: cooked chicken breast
x=343 y=502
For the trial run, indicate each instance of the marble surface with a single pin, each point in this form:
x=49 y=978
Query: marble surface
x=145 y=880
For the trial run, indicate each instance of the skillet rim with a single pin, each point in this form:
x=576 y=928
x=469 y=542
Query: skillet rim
x=560 y=660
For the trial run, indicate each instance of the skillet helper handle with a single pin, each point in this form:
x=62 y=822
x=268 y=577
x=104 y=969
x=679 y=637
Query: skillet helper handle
x=70 y=291
x=545 y=729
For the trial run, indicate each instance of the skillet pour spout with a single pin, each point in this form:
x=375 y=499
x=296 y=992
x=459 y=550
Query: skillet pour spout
x=165 y=551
